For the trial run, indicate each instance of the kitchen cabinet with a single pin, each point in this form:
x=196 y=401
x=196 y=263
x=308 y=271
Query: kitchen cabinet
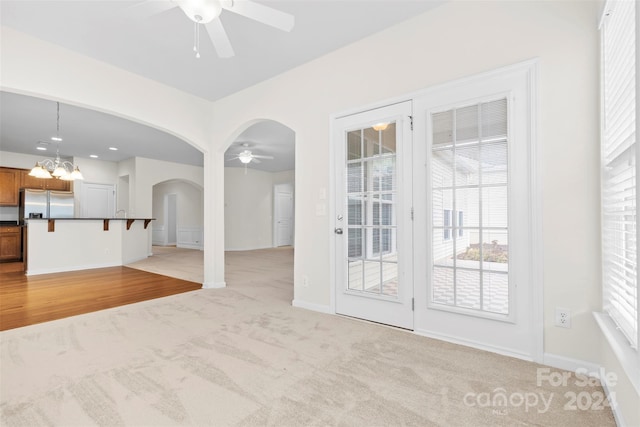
x=57 y=184
x=9 y=186
x=43 y=184
x=10 y=243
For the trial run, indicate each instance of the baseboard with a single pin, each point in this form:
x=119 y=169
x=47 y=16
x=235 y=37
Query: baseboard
x=569 y=364
x=248 y=248
x=214 y=285
x=32 y=272
x=190 y=246
x=592 y=369
x=474 y=344
x=313 y=307
x=132 y=260
x=617 y=415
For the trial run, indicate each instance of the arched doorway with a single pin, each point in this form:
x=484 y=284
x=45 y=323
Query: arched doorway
x=177 y=206
x=259 y=202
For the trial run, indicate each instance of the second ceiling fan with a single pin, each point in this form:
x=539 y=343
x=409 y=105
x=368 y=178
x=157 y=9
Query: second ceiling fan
x=207 y=13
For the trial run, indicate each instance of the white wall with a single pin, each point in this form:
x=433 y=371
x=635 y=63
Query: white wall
x=35 y=67
x=150 y=172
x=455 y=40
x=20 y=161
x=97 y=171
x=127 y=176
x=189 y=209
x=248 y=207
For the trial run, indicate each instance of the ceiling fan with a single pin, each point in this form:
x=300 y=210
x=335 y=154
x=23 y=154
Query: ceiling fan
x=246 y=156
x=207 y=13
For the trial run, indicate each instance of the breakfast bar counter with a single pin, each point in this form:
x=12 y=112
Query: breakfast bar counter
x=66 y=244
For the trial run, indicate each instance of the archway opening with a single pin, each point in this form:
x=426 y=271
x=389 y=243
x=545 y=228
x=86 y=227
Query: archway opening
x=259 y=201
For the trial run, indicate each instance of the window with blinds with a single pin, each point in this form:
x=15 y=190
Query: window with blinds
x=469 y=178
x=619 y=170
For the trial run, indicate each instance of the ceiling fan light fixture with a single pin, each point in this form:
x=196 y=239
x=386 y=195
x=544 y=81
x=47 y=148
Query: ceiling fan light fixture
x=245 y=157
x=201 y=11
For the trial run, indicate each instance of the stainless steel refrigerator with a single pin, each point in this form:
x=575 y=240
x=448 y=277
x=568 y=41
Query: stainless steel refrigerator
x=45 y=204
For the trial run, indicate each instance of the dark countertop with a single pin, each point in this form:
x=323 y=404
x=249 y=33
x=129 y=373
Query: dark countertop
x=88 y=219
x=10 y=223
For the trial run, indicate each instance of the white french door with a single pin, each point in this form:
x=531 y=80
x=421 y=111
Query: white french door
x=373 y=235
x=473 y=214
x=434 y=225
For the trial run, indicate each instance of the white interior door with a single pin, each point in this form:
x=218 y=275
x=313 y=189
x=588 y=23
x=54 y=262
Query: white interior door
x=283 y=214
x=473 y=213
x=373 y=235
x=98 y=200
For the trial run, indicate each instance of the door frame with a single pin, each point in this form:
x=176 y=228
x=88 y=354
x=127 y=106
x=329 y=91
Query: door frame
x=276 y=211
x=401 y=113
x=536 y=253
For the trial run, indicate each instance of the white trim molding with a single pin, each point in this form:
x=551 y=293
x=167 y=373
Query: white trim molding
x=321 y=308
x=35 y=272
x=159 y=235
x=190 y=237
x=214 y=285
x=628 y=357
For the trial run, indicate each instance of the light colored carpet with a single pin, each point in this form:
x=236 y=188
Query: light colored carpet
x=185 y=264
x=242 y=356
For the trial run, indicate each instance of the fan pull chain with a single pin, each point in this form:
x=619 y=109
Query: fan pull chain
x=196 y=39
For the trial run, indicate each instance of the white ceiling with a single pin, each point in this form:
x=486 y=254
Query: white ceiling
x=26 y=121
x=159 y=47
x=265 y=138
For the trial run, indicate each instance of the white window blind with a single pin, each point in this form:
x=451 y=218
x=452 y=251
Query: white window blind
x=619 y=170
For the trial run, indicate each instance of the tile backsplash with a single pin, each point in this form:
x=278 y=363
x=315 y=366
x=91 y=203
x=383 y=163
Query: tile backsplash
x=8 y=213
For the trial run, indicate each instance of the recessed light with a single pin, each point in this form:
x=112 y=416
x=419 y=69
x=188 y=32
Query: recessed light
x=93 y=156
x=113 y=149
x=41 y=148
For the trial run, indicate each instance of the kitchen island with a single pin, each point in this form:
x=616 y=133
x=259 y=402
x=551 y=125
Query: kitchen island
x=55 y=245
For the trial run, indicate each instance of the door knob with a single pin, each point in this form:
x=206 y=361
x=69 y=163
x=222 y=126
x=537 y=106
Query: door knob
x=338 y=230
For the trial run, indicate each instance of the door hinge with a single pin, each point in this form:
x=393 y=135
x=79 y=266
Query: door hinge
x=411 y=121
x=413 y=304
x=412 y=214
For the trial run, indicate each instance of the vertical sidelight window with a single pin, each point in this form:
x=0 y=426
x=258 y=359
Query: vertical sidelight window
x=469 y=176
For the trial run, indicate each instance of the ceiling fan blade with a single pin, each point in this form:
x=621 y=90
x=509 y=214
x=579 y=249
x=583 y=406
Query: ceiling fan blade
x=261 y=13
x=258 y=156
x=232 y=158
x=219 y=38
x=149 y=8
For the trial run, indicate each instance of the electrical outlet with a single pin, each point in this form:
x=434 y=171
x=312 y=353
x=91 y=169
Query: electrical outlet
x=563 y=317
x=305 y=281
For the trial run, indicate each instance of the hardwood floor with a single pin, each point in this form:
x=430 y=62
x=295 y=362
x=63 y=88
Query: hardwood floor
x=26 y=300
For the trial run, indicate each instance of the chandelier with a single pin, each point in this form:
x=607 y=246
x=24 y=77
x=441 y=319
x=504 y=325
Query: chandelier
x=56 y=168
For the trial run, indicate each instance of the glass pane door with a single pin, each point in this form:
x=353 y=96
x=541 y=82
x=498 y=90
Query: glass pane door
x=371 y=206
x=373 y=236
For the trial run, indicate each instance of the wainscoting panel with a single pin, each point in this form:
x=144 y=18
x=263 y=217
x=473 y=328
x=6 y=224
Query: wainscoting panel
x=190 y=237
x=159 y=236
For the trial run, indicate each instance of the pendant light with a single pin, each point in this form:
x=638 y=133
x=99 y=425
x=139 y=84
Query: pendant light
x=57 y=168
